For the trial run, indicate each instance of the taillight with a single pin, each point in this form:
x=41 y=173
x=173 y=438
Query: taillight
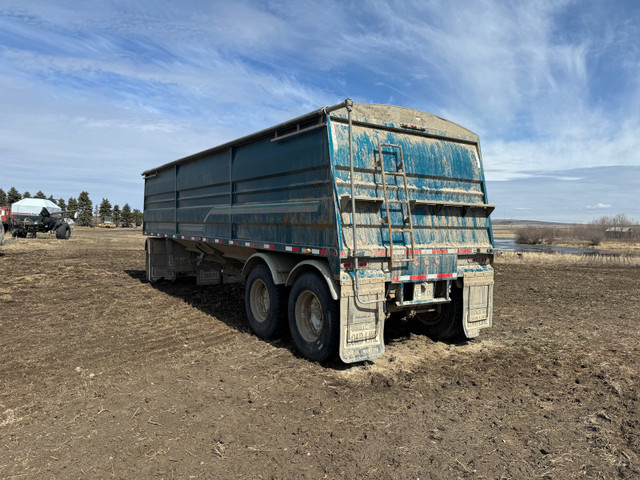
x=348 y=265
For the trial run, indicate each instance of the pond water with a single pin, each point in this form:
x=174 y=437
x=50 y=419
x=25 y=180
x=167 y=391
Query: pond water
x=510 y=245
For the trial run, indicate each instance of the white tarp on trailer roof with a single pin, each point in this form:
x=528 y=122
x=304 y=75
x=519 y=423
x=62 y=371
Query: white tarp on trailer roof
x=33 y=206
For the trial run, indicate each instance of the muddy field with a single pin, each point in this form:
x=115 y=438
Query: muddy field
x=105 y=376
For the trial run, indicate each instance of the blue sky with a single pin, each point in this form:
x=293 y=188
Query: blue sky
x=93 y=93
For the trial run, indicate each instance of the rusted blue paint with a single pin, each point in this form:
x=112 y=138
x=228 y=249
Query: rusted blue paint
x=267 y=188
x=437 y=170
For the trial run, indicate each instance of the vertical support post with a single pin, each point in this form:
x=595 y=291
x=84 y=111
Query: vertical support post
x=230 y=192
x=175 y=199
x=354 y=243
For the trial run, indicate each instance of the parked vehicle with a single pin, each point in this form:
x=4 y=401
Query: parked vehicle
x=29 y=225
x=5 y=214
x=107 y=223
x=336 y=220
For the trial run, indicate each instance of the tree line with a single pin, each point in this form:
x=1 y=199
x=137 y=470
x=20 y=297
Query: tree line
x=87 y=215
x=618 y=227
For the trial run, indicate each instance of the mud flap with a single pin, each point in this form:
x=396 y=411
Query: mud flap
x=208 y=273
x=157 y=260
x=165 y=258
x=361 y=326
x=478 y=304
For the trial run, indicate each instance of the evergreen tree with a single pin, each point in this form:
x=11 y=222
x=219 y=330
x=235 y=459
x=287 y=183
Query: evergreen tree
x=115 y=215
x=62 y=204
x=13 y=196
x=105 y=209
x=3 y=198
x=40 y=194
x=85 y=210
x=127 y=216
x=26 y=194
x=51 y=199
x=137 y=217
x=72 y=204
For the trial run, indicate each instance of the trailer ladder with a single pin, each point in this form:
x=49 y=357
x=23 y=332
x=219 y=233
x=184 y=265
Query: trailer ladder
x=407 y=221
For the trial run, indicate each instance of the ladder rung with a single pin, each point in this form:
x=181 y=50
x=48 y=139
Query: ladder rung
x=398 y=173
x=398 y=201
x=402 y=230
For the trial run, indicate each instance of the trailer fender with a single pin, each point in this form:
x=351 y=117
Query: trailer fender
x=279 y=265
x=321 y=267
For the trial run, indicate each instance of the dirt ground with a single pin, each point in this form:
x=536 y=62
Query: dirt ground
x=105 y=376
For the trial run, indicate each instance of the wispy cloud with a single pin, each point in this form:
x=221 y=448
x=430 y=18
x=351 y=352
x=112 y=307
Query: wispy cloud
x=94 y=89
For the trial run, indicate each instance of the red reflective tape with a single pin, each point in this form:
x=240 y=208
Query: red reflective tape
x=440 y=250
x=465 y=250
x=232 y=242
x=445 y=275
x=324 y=252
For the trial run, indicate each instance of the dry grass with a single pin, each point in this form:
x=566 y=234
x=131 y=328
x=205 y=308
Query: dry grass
x=566 y=259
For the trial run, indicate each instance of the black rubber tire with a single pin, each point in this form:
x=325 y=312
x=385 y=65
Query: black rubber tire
x=63 y=232
x=265 y=324
x=447 y=324
x=325 y=344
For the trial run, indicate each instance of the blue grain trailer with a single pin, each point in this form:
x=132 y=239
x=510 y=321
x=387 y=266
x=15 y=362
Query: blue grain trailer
x=337 y=221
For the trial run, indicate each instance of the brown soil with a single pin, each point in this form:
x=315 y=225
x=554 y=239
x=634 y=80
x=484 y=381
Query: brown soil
x=105 y=376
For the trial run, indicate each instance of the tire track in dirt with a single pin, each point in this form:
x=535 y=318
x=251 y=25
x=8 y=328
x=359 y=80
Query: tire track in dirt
x=116 y=378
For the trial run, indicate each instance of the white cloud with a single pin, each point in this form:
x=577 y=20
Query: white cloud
x=599 y=206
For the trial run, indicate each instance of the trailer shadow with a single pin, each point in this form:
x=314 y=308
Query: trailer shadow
x=226 y=303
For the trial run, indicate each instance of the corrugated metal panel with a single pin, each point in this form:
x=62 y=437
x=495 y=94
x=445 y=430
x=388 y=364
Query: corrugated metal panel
x=273 y=192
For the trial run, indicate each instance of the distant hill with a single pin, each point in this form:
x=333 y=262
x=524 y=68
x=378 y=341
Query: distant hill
x=526 y=223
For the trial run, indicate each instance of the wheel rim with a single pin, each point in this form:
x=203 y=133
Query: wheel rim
x=309 y=316
x=259 y=300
